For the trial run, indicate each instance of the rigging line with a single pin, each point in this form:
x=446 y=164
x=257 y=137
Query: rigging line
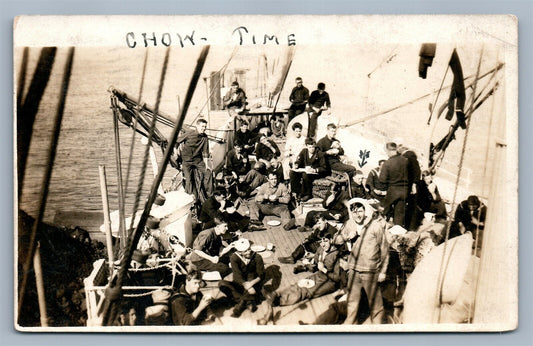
x=150 y=135
x=387 y=59
x=459 y=170
x=440 y=157
x=220 y=76
x=438 y=94
x=132 y=145
x=498 y=67
x=110 y=305
x=47 y=175
x=472 y=308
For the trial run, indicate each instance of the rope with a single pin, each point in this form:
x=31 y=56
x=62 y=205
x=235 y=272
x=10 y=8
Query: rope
x=150 y=134
x=459 y=170
x=498 y=67
x=132 y=145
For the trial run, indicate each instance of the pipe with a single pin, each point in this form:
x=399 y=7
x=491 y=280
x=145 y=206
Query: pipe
x=40 y=285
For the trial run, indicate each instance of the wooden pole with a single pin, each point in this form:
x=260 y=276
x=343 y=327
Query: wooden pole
x=122 y=223
x=107 y=220
x=40 y=286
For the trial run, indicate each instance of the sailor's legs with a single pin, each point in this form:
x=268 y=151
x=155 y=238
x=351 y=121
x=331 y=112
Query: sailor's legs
x=394 y=203
x=280 y=210
x=368 y=282
x=313 y=120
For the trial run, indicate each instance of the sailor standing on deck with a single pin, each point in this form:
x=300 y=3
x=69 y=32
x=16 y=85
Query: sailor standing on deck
x=367 y=262
x=394 y=174
x=194 y=154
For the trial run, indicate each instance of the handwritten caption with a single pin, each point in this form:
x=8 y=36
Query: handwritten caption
x=241 y=35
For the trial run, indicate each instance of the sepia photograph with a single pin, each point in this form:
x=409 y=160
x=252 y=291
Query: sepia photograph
x=293 y=173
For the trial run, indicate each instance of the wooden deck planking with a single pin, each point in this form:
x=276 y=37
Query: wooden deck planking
x=285 y=242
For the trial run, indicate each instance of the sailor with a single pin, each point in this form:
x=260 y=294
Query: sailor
x=194 y=148
x=318 y=101
x=334 y=203
x=234 y=100
x=357 y=187
x=248 y=276
x=293 y=147
x=470 y=216
x=428 y=197
x=411 y=216
x=377 y=189
x=252 y=180
x=272 y=199
x=320 y=230
x=245 y=137
x=237 y=163
x=314 y=163
x=367 y=263
x=266 y=150
x=209 y=252
x=395 y=175
x=278 y=126
x=332 y=149
x=187 y=304
x=298 y=98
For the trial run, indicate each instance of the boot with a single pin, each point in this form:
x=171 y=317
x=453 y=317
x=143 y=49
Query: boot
x=238 y=309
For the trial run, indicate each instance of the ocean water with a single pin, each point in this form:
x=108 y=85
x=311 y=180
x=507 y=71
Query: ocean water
x=361 y=81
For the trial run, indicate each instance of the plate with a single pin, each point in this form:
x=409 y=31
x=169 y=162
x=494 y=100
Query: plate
x=306 y=283
x=230 y=210
x=397 y=230
x=274 y=223
x=257 y=248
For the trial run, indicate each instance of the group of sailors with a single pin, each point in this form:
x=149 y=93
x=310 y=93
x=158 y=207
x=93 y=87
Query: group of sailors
x=348 y=249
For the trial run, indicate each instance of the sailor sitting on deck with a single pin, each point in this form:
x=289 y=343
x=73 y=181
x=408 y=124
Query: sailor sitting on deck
x=220 y=207
x=314 y=163
x=272 y=199
x=293 y=147
x=245 y=137
x=209 y=252
x=237 y=163
x=334 y=203
x=320 y=230
x=234 y=99
x=333 y=150
x=327 y=277
x=252 y=180
x=276 y=168
x=248 y=276
x=357 y=187
x=266 y=150
x=277 y=125
x=187 y=304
